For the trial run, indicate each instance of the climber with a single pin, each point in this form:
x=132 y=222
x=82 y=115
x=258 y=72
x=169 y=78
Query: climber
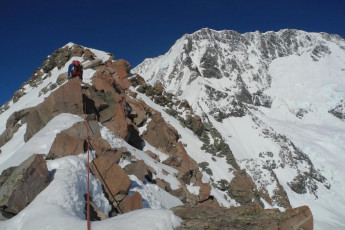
x=75 y=69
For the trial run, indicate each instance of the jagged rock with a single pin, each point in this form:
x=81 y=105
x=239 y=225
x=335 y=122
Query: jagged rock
x=78 y=130
x=66 y=99
x=12 y=126
x=60 y=57
x=339 y=110
x=139 y=169
x=121 y=71
x=61 y=78
x=131 y=203
x=95 y=213
x=250 y=216
x=163 y=184
x=153 y=155
x=195 y=124
x=160 y=134
x=205 y=189
x=158 y=89
x=92 y=64
x=112 y=177
x=139 y=110
x=6 y=174
x=23 y=185
x=65 y=145
x=88 y=54
x=99 y=145
x=17 y=95
x=241 y=187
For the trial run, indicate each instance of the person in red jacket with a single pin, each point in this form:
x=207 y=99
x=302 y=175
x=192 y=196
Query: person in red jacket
x=75 y=69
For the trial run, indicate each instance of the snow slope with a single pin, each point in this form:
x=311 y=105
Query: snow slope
x=269 y=95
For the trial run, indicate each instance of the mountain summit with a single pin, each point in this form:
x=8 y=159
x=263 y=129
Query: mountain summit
x=277 y=99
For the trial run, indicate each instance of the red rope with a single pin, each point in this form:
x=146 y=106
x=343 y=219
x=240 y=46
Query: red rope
x=88 y=172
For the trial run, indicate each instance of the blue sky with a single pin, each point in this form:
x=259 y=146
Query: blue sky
x=30 y=30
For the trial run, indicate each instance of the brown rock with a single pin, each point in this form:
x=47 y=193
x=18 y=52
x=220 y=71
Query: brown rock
x=92 y=64
x=88 y=54
x=139 y=108
x=241 y=187
x=96 y=213
x=78 y=130
x=23 y=185
x=103 y=83
x=138 y=169
x=66 y=99
x=61 y=78
x=131 y=203
x=249 y=216
x=205 y=189
x=160 y=134
x=65 y=145
x=99 y=145
x=163 y=184
x=153 y=155
x=112 y=176
x=158 y=89
x=301 y=218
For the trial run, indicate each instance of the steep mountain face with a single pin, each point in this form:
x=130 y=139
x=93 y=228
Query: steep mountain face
x=276 y=100
x=150 y=152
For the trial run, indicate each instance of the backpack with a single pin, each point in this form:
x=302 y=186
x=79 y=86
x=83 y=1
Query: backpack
x=77 y=69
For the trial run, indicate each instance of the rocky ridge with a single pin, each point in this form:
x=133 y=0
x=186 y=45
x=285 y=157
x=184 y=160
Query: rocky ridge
x=108 y=99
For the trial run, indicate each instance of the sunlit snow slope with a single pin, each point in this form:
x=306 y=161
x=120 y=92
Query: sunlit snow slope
x=277 y=98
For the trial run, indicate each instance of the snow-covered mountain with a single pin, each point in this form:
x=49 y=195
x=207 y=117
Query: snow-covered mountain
x=225 y=130
x=277 y=100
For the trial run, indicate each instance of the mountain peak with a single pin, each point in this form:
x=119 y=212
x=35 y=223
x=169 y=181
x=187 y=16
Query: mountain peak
x=272 y=96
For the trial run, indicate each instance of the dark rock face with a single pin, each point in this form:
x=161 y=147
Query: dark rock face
x=339 y=110
x=250 y=216
x=23 y=185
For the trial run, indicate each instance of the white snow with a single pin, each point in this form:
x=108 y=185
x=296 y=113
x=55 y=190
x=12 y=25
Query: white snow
x=15 y=151
x=295 y=83
x=153 y=196
x=61 y=204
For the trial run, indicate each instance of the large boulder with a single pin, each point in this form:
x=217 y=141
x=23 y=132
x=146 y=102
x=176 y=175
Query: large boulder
x=241 y=187
x=72 y=141
x=112 y=177
x=23 y=185
x=139 y=169
x=160 y=134
x=131 y=203
x=121 y=70
x=66 y=99
x=92 y=64
x=65 y=145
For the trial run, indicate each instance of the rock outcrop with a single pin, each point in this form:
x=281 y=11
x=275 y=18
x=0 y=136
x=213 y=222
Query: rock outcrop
x=22 y=185
x=249 y=216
